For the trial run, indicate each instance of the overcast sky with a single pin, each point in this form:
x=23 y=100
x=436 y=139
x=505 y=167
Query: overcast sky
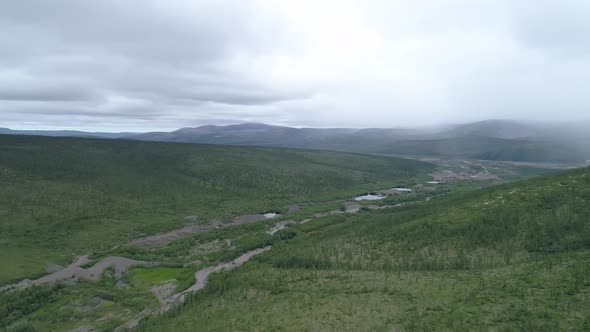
x=160 y=65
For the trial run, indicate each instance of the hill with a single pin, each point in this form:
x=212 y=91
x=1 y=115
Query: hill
x=64 y=133
x=62 y=197
x=488 y=140
x=489 y=148
x=512 y=257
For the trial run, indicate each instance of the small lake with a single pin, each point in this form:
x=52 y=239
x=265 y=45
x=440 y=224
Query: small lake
x=270 y=215
x=369 y=197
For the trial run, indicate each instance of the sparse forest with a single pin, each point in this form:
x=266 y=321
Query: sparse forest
x=61 y=197
x=511 y=257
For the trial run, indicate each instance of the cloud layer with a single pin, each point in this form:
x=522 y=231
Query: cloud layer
x=121 y=65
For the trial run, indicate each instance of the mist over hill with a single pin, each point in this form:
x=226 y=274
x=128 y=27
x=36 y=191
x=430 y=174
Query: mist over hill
x=488 y=140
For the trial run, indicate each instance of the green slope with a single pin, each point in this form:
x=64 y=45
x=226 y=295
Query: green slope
x=510 y=258
x=61 y=197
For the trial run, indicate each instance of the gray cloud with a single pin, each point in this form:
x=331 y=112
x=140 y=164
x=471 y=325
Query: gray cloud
x=119 y=59
x=557 y=28
x=16 y=87
x=167 y=64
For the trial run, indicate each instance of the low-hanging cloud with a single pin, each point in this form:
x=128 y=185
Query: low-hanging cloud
x=158 y=64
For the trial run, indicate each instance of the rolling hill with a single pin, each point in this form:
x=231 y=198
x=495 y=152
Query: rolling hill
x=513 y=257
x=64 y=133
x=62 y=197
x=487 y=140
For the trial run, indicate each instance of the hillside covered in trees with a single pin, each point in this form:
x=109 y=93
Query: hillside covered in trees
x=513 y=257
x=62 y=197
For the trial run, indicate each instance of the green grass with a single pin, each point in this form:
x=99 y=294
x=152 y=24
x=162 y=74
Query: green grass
x=512 y=257
x=62 y=197
x=156 y=275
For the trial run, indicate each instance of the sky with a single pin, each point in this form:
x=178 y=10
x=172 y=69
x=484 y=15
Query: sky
x=165 y=64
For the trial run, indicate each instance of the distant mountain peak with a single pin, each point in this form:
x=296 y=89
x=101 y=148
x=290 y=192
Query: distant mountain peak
x=489 y=139
x=253 y=125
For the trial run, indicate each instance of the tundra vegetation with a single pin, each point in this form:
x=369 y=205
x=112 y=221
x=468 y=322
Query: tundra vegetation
x=511 y=256
x=62 y=197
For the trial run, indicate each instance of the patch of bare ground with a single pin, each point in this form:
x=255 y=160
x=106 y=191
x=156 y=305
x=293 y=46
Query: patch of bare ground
x=163 y=292
x=447 y=176
x=351 y=207
x=51 y=268
x=280 y=225
x=160 y=240
x=74 y=272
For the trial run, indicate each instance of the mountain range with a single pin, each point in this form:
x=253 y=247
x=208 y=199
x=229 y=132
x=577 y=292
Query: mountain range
x=64 y=133
x=486 y=140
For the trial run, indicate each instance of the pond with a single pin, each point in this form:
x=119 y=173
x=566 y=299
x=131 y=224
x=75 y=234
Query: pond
x=369 y=197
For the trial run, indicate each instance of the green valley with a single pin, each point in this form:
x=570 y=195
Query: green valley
x=62 y=197
x=173 y=236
